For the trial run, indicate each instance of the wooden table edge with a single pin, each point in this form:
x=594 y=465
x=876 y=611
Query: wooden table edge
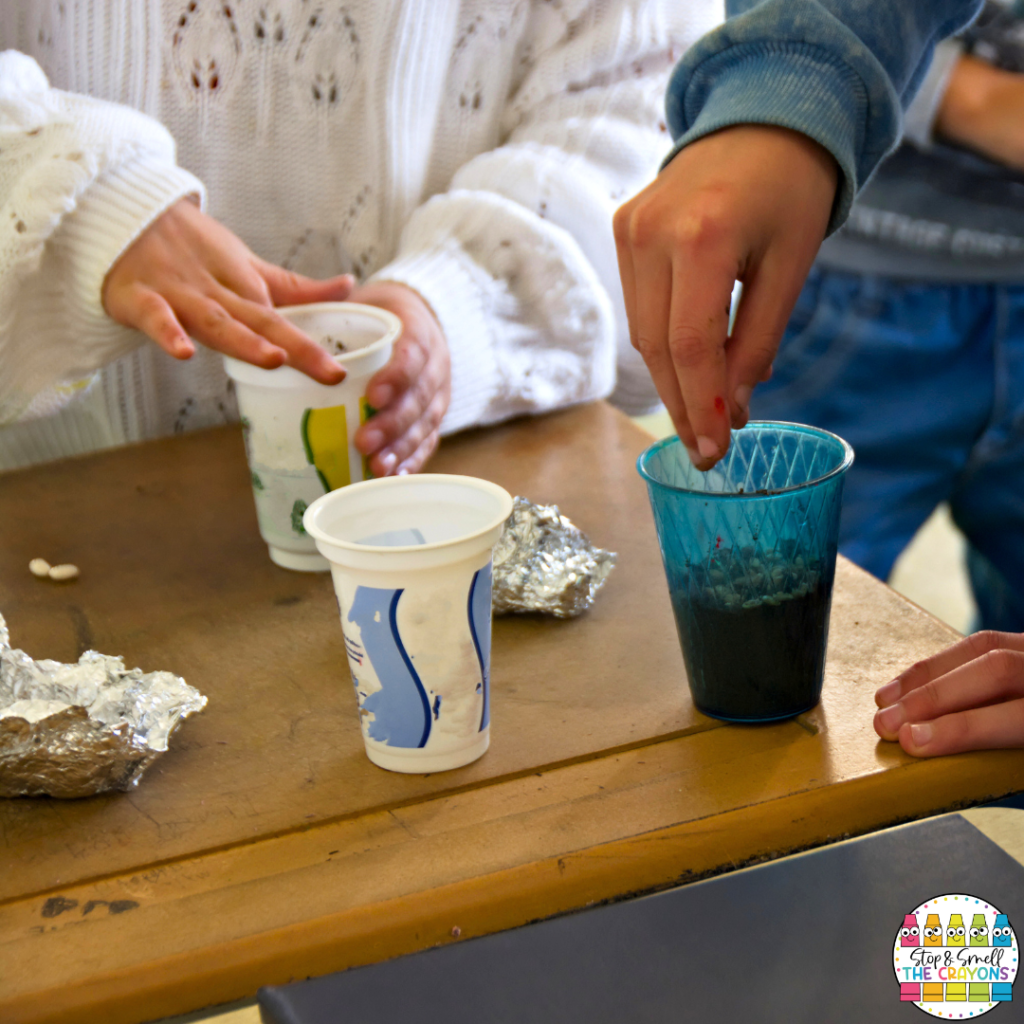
x=512 y=897
x=493 y=900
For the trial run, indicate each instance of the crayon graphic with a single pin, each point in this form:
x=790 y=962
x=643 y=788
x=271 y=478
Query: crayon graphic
x=956 y=992
x=931 y=991
x=977 y=992
x=910 y=935
x=1002 y=991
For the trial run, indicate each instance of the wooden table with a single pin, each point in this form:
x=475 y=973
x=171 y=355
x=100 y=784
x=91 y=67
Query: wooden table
x=265 y=846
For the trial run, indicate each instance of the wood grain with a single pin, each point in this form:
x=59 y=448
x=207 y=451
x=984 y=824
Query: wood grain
x=265 y=846
x=175 y=576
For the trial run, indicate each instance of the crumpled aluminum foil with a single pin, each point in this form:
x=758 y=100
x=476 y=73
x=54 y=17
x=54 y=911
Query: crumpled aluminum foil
x=76 y=730
x=545 y=564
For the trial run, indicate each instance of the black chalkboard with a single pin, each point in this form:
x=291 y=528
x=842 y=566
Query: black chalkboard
x=806 y=939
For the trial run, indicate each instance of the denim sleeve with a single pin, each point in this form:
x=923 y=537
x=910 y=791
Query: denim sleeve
x=839 y=71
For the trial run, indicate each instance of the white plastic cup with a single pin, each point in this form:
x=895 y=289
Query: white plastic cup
x=298 y=432
x=411 y=561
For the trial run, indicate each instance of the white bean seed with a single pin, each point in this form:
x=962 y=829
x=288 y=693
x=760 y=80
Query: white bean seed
x=39 y=567
x=63 y=572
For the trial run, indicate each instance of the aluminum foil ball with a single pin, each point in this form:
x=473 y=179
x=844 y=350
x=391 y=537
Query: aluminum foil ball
x=545 y=564
x=76 y=730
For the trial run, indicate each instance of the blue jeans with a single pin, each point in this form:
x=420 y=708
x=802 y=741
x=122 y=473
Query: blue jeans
x=926 y=381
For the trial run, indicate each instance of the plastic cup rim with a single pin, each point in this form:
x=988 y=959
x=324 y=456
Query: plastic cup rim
x=847 y=461
x=392 y=329
x=392 y=323
x=317 y=533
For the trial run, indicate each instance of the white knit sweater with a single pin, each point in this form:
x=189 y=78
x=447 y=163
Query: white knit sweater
x=474 y=150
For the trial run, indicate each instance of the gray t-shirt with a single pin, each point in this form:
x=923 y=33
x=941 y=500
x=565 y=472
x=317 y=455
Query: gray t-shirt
x=935 y=212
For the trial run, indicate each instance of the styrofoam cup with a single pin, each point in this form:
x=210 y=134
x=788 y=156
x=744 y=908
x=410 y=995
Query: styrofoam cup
x=411 y=561
x=298 y=432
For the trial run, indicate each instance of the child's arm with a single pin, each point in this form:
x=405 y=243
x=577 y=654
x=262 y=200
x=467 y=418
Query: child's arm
x=983 y=109
x=100 y=230
x=750 y=202
x=79 y=180
x=837 y=72
x=515 y=255
x=969 y=697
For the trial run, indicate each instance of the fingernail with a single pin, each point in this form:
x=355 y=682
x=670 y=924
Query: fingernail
x=388 y=462
x=888 y=694
x=707 y=448
x=404 y=471
x=921 y=734
x=742 y=396
x=695 y=457
x=891 y=718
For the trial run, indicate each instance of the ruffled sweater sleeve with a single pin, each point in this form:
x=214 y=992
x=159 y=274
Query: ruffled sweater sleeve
x=838 y=71
x=516 y=257
x=80 y=179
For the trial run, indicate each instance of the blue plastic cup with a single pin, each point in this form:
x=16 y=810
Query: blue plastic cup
x=749 y=550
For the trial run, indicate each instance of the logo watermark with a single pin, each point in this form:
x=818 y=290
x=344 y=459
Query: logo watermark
x=955 y=957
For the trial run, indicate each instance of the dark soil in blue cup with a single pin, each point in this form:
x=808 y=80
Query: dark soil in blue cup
x=753 y=632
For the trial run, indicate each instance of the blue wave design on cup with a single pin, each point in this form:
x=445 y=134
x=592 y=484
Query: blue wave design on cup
x=401 y=708
x=479 y=609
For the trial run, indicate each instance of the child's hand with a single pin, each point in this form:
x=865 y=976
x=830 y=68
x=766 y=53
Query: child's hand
x=969 y=697
x=752 y=203
x=186 y=274
x=412 y=392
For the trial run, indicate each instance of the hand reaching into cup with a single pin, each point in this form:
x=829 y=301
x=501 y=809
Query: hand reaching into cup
x=187 y=276
x=749 y=203
x=968 y=697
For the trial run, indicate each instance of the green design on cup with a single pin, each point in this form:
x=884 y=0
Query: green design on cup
x=298 y=510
